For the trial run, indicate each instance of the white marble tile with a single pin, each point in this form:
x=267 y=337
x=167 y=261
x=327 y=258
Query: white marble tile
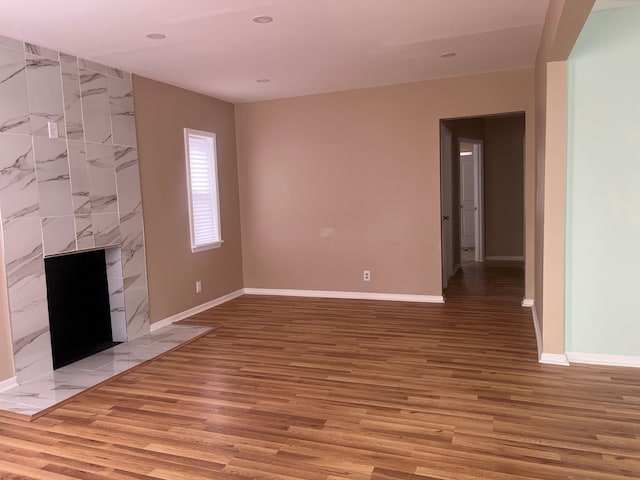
x=118 y=324
x=79 y=174
x=18 y=187
x=52 y=172
x=44 y=87
x=37 y=394
x=128 y=179
x=71 y=97
x=68 y=59
x=32 y=355
x=117 y=73
x=116 y=294
x=102 y=178
x=123 y=124
x=96 y=112
x=14 y=114
x=31 y=48
x=25 y=270
x=20 y=409
x=58 y=235
x=90 y=65
x=136 y=306
x=113 y=258
x=133 y=252
x=106 y=229
x=27 y=296
x=12 y=43
x=84 y=232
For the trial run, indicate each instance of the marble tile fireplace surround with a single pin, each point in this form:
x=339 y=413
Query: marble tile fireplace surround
x=69 y=182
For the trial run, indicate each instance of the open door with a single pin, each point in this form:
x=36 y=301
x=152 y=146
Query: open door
x=471 y=197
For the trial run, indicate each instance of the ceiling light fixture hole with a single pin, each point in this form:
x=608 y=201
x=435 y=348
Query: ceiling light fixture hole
x=262 y=19
x=156 y=36
x=263 y=80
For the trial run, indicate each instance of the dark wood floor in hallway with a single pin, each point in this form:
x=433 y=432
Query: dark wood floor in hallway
x=301 y=388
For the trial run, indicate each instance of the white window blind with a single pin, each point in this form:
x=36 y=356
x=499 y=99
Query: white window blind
x=204 y=209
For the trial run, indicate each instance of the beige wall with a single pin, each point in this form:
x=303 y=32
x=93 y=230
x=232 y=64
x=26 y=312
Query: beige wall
x=162 y=111
x=504 y=186
x=6 y=347
x=334 y=184
x=563 y=23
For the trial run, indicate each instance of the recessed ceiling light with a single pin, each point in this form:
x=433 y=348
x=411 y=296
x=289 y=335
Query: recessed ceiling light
x=263 y=80
x=262 y=19
x=448 y=55
x=156 y=36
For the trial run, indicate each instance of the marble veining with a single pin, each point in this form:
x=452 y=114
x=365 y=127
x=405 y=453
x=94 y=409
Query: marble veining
x=41 y=51
x=95 y=106
x=44 y=77
x=71 y=97
x=84 y=232
x=122 y=117
x=52 y=172
x=106 y=229
x=58 y=235
x=72 y=193
x=45 y=391
x=102 y=178
x=14 y=114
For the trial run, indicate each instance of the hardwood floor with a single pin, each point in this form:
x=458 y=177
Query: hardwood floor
x=293 y=388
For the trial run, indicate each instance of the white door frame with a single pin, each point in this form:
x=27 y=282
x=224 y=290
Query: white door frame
x=446 y=203
x=478 y=176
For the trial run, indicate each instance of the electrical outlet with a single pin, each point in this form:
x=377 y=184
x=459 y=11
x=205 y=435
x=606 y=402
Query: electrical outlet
x=53 y=129
x=366 y=275
x=198 y=286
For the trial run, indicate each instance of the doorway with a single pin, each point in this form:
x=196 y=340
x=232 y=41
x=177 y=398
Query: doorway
x=482 y=192
x=471 y=197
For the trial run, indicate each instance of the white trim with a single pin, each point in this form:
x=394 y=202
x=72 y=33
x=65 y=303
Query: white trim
x=554 y=359
x=8 y=384
x=536 y=327
x=212 y=161
x=478 y=178
x=195 y=310
x=605 y=359
x=505 y=258
x=527 y=302
x=394 y=297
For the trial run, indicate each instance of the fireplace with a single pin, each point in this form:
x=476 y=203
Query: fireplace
x=78 y=303
x=66 y=190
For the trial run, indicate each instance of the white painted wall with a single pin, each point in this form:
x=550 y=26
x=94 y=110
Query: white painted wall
x=603 y=187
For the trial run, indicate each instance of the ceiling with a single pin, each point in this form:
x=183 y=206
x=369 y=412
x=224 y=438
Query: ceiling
x=312 y=46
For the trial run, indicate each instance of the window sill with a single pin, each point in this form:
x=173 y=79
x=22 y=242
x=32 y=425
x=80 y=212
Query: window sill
x=208 y=246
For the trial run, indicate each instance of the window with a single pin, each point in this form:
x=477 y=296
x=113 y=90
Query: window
x=202 y=174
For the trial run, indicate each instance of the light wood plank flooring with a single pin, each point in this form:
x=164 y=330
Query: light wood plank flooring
x=293 y=388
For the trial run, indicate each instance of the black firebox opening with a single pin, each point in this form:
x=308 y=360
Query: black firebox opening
x=79 y=313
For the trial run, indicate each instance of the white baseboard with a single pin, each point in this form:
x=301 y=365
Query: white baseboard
x=501 y=258
x=8 y=384
x=536 y=327
x=604 y=359
x=527 y=302
x=195 y=310
x=394 y=297
x=554 y=359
